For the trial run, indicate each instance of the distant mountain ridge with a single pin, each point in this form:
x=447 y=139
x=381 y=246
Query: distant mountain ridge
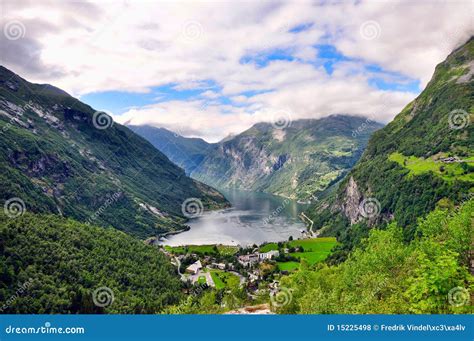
x=186 y=152
x=59 y=155
x=297 y=161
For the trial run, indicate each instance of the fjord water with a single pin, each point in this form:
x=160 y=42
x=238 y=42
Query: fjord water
x=254 y=218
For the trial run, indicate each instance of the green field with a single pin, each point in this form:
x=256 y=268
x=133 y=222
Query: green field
x=268 y=247
x=311 y=257
x=315 y=250
x=447 y=171
x=224 y=279
x=288 y=266
x=202 y=280
x=202 y=249
x=314 y=244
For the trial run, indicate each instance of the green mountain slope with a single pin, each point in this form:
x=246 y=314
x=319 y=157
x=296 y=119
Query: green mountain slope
x=423 y=158
x=298 y=161
x=188 y=153
x=50 y=264
x=387 y=275
x=58 y=155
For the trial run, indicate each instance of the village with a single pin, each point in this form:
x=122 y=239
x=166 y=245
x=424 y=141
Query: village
x=254 y=268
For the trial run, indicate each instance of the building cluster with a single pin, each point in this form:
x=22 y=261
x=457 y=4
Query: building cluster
x=257 y=257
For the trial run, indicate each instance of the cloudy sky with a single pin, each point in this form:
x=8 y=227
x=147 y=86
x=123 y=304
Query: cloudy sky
x=210 y=69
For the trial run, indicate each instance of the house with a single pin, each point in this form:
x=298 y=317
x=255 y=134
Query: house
x=247 y=260
x=253 y=277
x=450 y=159
x=268 y=255
x=194 y=268
x=220 y=266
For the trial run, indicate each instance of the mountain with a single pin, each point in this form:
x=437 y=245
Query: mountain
x=50 y=264
x=188 y=153
x=297 y=161
x=59 y=155
x=424 y=158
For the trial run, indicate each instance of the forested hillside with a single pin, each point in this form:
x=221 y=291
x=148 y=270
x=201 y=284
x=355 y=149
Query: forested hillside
x=49 y=264
x=58 y=155
x=386 y=275
x=423 y=158
x=186 y=152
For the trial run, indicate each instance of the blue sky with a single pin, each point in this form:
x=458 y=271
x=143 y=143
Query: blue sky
x=119 y=102
x=209 y=69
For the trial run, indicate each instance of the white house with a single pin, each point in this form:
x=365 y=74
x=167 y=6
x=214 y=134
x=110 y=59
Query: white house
x=194 y=268
x=268 y=255
x=247 y=260
x=220 y=266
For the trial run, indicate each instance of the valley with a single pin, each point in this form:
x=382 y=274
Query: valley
x=334 y=215
x=253 y=218
x=298 y=161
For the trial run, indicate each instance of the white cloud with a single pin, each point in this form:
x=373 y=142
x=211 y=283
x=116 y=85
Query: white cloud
x=133 y=46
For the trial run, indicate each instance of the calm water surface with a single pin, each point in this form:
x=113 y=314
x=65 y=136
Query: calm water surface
x=253 y=219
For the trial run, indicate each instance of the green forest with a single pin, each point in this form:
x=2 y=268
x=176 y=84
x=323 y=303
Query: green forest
x=60 y=263
x=387 y=275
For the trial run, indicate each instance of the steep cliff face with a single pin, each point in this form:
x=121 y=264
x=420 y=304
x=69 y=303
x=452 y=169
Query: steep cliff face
x=352 y=198
x=58 y=155
x=423 y=158
x=297 y=161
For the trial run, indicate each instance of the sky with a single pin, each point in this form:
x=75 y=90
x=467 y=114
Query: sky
x=210 y=69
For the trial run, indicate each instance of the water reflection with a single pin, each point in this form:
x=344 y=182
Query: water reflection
x=253 y=219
